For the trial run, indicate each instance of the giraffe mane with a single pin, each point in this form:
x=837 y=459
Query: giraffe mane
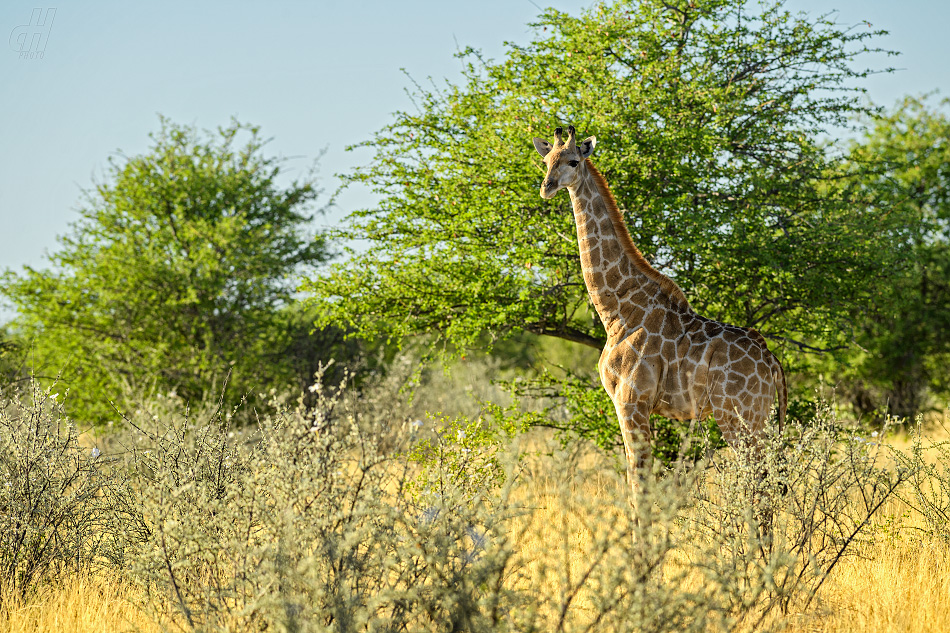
x=667 y=285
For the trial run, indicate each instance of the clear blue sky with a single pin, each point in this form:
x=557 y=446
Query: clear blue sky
x=313 y=75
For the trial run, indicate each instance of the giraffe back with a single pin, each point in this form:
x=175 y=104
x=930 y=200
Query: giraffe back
x=685 y=366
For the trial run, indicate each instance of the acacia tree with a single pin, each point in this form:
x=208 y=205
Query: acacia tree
x=709 y=117
x=178 y=274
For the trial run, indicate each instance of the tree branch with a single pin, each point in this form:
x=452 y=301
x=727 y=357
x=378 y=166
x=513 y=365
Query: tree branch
x=804 y=346
x=569 y=334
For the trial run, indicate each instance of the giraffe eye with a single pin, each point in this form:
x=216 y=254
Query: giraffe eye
x=572 y=163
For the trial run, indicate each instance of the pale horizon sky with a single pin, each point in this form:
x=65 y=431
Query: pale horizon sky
x=313 y=75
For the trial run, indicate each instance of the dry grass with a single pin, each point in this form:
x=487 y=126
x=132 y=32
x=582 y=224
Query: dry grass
x=895 y=587
x=557 y=537
x=85 y=604
x=898 y=583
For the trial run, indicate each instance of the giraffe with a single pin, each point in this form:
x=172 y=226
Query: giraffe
x=660 y=356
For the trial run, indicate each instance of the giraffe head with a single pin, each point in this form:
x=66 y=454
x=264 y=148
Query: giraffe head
x=564 y=160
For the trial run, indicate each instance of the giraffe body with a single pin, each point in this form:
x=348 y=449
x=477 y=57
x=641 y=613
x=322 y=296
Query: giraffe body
x=660 y=357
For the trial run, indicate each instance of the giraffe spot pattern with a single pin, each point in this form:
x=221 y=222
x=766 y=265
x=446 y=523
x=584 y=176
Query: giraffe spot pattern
x=660 y=357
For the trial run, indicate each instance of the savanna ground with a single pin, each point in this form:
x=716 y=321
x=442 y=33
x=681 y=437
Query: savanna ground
x=467 y=525
x=893 y=585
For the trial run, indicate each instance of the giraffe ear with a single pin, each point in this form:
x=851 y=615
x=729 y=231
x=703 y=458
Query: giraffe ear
x=542 y=146
x=587 y=146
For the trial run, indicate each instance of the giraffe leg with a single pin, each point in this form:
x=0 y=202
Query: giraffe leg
x=746 y=439
x=635 y=428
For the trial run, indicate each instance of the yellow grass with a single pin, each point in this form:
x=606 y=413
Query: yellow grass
x=93 y=604
x=897 y=584
x=899 y=587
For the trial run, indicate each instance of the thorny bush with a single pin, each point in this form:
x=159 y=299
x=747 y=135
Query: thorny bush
x=355 y=515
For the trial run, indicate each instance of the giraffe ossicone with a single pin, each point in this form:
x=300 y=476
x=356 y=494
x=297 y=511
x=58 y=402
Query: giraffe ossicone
x=660 y=357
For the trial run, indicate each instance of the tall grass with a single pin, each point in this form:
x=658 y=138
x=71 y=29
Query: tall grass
x=80 y=603
x=358 y=514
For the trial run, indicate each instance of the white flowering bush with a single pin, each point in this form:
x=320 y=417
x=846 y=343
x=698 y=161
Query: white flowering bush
x=355 y=513
x=310 y=521
x=64 y=508
x=779 y=526
x=927 y=465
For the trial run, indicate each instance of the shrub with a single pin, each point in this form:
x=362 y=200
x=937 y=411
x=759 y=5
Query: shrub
x=927 y=465
x=177 y=274
x=63 y=507
x=778 y=526
x=352 y=515
x=307 y=522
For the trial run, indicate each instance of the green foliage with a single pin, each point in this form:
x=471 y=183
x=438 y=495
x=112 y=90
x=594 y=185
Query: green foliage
x=708 y=116
x=457 y=450
x=908 y=342
x=12 y=359
x=803 y=409
x=674 y=440
x=177 y=277
x=577 y=406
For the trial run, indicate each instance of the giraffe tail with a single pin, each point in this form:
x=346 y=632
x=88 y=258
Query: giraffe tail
x=782 y=388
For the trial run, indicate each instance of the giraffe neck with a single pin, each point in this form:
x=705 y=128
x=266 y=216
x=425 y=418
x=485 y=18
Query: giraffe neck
x=622 y=284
